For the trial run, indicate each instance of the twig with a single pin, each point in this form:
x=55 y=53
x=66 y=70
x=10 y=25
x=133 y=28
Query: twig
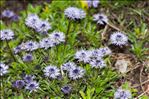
x=133 y=68
x=112 y=26
x=140 y=85
x=104 y=32
x=142 y=94
x=140 y=79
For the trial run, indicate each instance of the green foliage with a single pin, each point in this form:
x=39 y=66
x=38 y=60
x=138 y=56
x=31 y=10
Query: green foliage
x=97 y=83
x=139 y=37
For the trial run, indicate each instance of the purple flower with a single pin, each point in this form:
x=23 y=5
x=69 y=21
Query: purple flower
x=18 y=84
x=66 y=89
x=8 y=13
x=118 y=38
x=76 y=73
x=32 y=86
x=93 y=3
x=122 y=94
x=28 y=78
x=28 y=57
x=15 y=18
x=3 y=69
x=17 y=49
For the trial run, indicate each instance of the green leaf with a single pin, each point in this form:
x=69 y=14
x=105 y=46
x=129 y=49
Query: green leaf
x=82 y=94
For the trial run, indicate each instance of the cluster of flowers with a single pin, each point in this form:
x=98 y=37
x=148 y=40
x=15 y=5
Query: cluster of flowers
x=10 y=14
x=28 y=82
x=52 y=40
x=93 y=57
x=74 y=71
x=117 y=38
x=39 y=25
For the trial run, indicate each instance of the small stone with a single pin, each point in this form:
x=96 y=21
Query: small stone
x=122 y=65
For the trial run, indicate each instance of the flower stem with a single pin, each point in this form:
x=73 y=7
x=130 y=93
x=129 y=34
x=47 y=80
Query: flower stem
x=67 y=32
x=11 y=52
x=2 y=89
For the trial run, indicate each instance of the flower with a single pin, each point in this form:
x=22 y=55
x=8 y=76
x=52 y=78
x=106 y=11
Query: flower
x=74 y=13
x=30 y=46
x=3 y=69
x=28 y=57
x=28 y=78
x=83 y=55
x=57 y=37
x=68 y=66
x=32 y=86
x=18 y=84
x=17 y=49
x=32 y=20
x=95 y=53
x=118 y=38
x=97 y=63
x=15 y=18
x=100 y=19
x=93 y=3
x=6 y=34
x=76 y=73
x=51 y=71
x=104 y=51
x=66 y=89
x=8 y=13
x=122 y=94
x=46 y=43
x=42 y=26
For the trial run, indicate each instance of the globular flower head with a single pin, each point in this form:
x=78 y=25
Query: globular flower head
x=95 y=53
x=76 y=73
x=104 y=51
x=46 y=43
x=18 y=84
x=15 y=18
x=28 y=78
x=74 y=13
x=83 y=56
x=66 y=89
x=32 y=86
x=57 y=37
x=17 y=49
x=122 y=94
x=42 y=26
x=68 y=66
x=118 y=39
x=32 y=20
x=100 y=19
x=93 y=3
x=30 y=46
x=97 y=63
x=28 y=58
x=51 y=71
x=6 y=34
x=3 y=69
x=8 y=13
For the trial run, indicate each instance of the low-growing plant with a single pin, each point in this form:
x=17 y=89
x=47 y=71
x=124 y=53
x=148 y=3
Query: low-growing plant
x=55 y=51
